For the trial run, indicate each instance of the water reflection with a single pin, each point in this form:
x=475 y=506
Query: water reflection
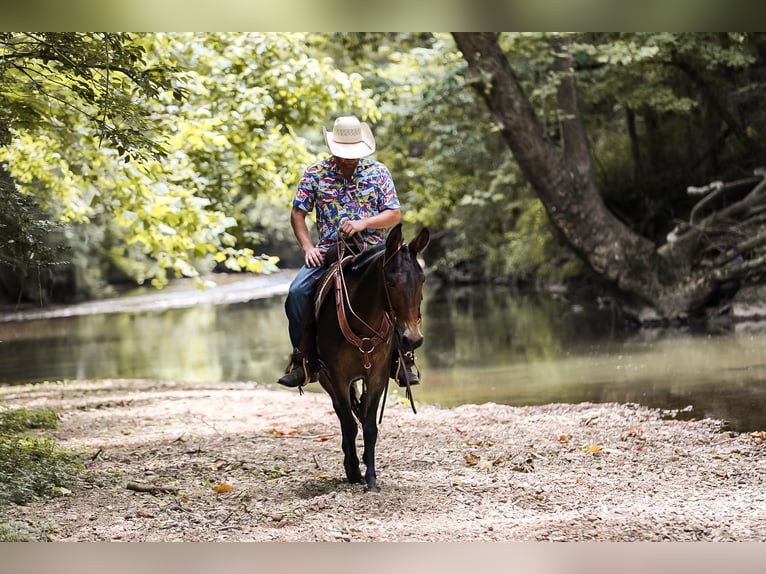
x=489 y=345
x=204 y=343
x=481 y=344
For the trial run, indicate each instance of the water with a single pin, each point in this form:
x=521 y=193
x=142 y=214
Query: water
x=481 y=344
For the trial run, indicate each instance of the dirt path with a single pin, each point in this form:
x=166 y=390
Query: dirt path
x=244 y=462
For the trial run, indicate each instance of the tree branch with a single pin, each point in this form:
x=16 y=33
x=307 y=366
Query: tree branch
x=741 y=249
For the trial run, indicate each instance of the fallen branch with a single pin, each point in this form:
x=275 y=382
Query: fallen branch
x=299 y=436
x=150 y=488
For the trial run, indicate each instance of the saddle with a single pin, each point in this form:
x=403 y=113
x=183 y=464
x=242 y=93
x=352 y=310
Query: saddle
x=338 y=257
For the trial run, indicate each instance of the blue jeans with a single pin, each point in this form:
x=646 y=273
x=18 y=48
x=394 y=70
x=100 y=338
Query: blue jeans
x=300 y=300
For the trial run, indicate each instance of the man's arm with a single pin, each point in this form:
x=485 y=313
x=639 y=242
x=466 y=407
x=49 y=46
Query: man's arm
x=313 y=256
x=386 y=218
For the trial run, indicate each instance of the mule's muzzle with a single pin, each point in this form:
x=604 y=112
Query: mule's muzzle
x=411 y=340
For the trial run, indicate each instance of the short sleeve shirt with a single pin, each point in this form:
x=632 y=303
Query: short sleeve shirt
x=369 y=192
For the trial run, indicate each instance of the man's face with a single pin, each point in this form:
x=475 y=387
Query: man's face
x=347 y=164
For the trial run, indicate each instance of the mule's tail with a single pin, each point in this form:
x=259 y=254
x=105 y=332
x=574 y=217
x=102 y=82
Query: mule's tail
x=355 y=393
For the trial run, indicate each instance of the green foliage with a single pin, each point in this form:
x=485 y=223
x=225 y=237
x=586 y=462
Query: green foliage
x=31 y=467
x=29 y=253
x=168 y=139
x=451 y=167
x=273 y=472
x=34 y=467
x=152 y=156
x=15 y=531
x=100 y=77
x=668 y=73
x=20 y=419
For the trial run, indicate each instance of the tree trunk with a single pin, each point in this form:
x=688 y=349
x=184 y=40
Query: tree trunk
x=668 y=283
x=630 y=120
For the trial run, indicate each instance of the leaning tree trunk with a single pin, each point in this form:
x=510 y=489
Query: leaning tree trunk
x=674 y=281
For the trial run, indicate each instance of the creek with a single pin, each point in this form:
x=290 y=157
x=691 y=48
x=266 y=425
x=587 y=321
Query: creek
x=482 y=344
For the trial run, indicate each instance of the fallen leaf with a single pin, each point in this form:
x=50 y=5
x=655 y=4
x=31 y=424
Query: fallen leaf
x=183 y=500
x=326 y=437
x=323 y=476
x=590 y=448
x=223 y=487
x=472 y=459
x=761 y=435
x=479 y=442
x=280 y=432
x=458 y=429
x=563 y=438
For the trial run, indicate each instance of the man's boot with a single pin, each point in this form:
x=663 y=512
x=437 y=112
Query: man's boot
x=404 y=369
x=297 y=373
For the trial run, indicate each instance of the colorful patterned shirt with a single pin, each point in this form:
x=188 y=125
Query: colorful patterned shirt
x=370 y=191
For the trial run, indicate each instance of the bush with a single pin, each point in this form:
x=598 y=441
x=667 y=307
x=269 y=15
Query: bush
x=15 y=531
x=31 y=468
x=19 y=420
x=34 y=467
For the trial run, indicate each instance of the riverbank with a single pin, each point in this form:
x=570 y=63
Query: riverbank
x=248 y=462
x=221 y=289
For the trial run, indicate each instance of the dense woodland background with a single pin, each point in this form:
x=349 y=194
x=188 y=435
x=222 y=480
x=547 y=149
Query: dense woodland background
x=536 y=159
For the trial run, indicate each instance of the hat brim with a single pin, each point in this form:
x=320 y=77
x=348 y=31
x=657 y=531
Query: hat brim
x=354 y=150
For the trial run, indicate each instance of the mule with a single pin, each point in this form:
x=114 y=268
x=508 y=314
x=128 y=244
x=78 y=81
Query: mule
x=373 y=306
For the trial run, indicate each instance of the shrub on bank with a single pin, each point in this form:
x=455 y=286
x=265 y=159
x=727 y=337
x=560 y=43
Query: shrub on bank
x=31 y=467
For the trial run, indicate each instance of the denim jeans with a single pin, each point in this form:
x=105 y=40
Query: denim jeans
x=300 y=297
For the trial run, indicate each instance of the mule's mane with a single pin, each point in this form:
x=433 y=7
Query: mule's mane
x=363 y=260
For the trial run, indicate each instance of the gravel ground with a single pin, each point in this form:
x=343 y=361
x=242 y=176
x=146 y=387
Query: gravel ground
x=248 y=462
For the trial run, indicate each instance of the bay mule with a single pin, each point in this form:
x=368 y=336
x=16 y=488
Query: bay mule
x=373 y=306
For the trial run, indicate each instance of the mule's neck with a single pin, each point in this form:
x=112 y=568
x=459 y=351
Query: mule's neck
x=368 y=296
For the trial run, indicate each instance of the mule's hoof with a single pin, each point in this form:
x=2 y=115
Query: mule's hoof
x=373 y=488
x=354 y=479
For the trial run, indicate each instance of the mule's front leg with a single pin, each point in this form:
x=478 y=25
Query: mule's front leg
x=370 y=434
x=349 y=430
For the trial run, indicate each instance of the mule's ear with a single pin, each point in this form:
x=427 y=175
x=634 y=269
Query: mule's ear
x=421 y=241
x=394 y=238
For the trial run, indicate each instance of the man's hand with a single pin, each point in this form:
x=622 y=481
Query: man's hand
x=350 y=227
x=314 y=257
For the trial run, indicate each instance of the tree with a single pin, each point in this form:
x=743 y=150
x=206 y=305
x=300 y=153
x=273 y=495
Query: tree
x=452 y=170
x=717 y=254
x=161 y=154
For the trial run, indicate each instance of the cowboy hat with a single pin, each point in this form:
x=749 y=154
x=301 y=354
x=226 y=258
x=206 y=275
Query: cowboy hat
x=350 y=138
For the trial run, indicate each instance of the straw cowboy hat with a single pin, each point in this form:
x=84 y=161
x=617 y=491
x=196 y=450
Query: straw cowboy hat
x=350 y=138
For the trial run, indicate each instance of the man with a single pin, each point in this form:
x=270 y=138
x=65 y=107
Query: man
x=353 y=195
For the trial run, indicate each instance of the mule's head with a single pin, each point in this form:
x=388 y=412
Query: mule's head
x=404 y=279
